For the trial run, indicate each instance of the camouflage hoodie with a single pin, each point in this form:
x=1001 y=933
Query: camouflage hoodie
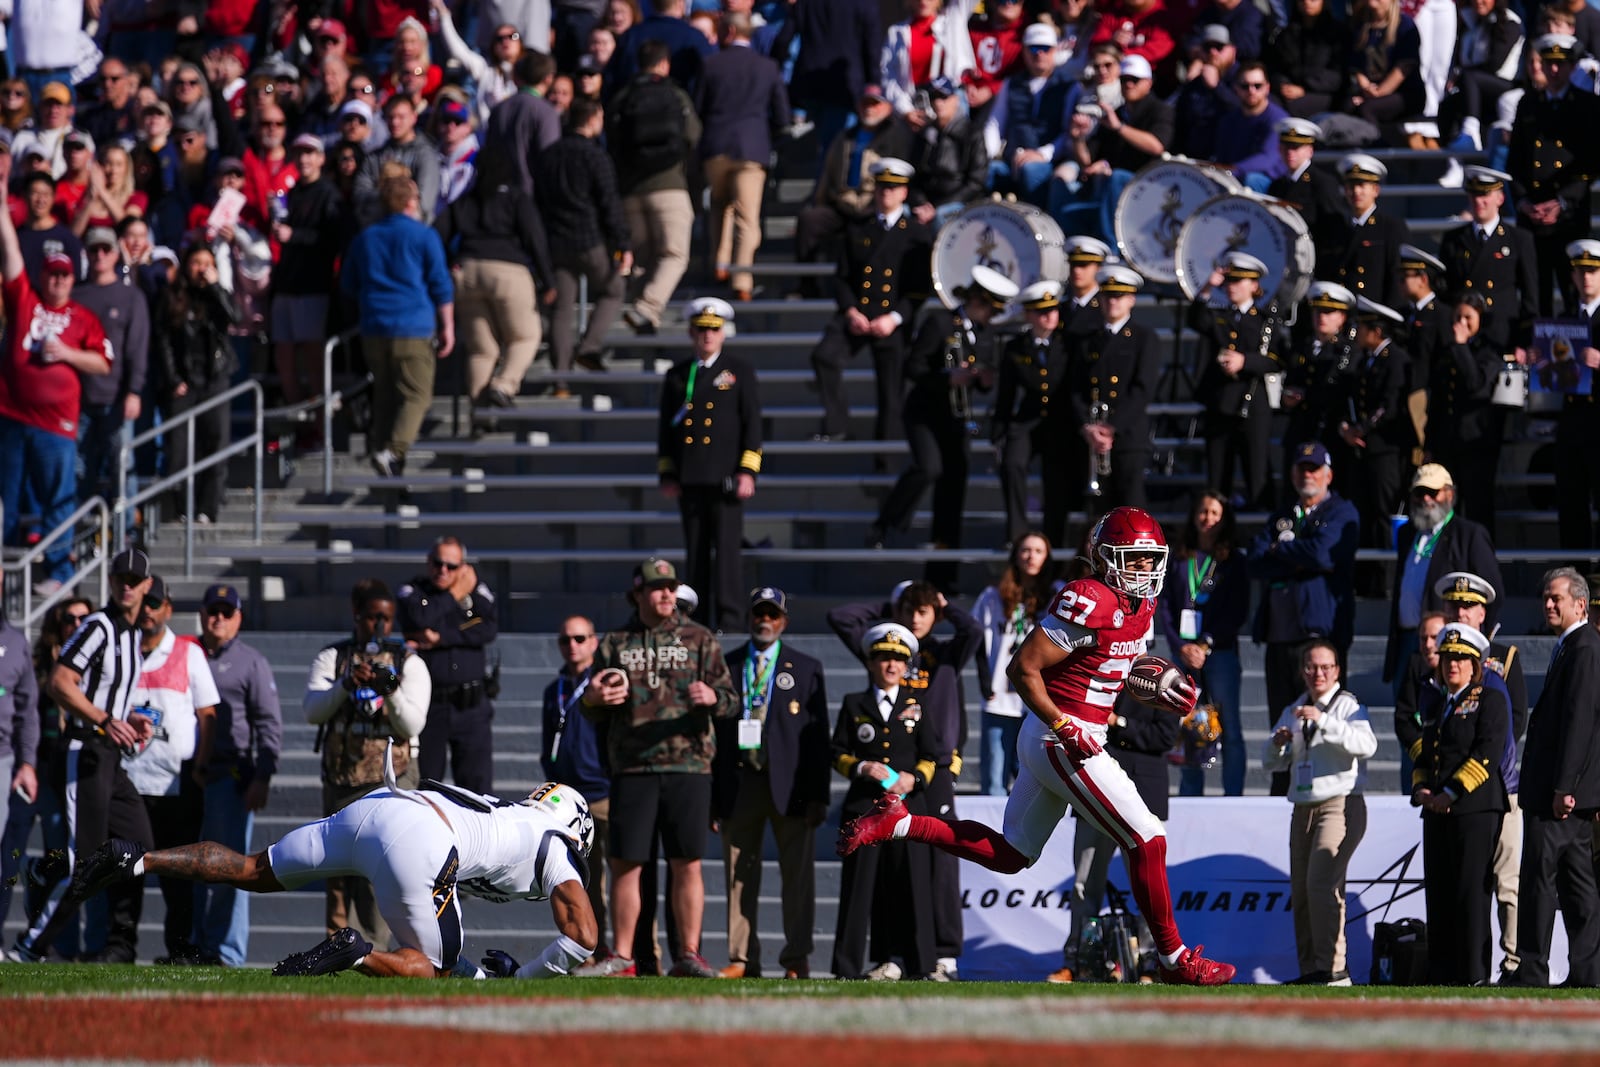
x=657 y=730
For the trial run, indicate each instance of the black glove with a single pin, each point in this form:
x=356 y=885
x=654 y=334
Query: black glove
x=499 y=964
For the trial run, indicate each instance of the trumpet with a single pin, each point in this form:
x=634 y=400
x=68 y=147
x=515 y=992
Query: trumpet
x=958 y=353
x=1099 y=462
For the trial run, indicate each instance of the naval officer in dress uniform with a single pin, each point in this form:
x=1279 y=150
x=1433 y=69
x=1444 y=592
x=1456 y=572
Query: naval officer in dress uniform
x=1080 y=298
x=1494 y=259
x=1113 y=378
x=883 y=278
x=1367 y=259
x=1315 y=369
x=1373 y=424
x=708 y=455
x=1313 y=191
x=1578 y=425
x=1025 y=422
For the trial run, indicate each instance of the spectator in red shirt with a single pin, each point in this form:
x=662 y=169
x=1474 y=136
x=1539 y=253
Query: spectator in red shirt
x=997 y=47
x=269 y=173
x=73 y=185
x=47 y=345
x=411 y=52
x=1141 y=28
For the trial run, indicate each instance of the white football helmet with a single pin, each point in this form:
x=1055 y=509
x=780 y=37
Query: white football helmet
x=571 y=811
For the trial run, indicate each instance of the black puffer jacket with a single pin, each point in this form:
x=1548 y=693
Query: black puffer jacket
x=191 y=332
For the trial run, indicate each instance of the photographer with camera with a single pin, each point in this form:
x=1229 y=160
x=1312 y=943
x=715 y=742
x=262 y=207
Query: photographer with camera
x=362 y=692
x=450 y=619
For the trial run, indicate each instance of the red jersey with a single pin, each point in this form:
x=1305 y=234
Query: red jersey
x=1151 y=32
x=1104 y=633
x=33 y=392
x=998 y=50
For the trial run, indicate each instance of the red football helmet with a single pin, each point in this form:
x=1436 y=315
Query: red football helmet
x=1121 y=535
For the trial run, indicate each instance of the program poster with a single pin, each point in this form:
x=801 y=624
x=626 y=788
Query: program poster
x=1556 y=358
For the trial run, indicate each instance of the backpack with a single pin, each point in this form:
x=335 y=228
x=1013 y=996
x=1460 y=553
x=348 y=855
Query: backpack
x=1400 y=953
x=651 y=132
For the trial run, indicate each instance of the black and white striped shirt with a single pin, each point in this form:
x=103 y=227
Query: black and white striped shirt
x=105 y=653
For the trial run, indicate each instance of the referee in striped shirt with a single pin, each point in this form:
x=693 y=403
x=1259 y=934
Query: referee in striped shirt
x=93 y=684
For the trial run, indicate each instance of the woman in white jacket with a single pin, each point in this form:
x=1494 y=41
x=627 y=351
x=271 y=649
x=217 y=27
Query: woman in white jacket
x=493 y=78
x=1324 y=739
x=910 y=59
x=1007 y=611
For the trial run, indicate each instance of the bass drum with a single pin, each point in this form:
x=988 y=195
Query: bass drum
x=1153 y=207
x=1018 y=240
x=1270 y=230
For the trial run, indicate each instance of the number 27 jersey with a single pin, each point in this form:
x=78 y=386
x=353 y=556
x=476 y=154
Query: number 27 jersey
x=1103 y=636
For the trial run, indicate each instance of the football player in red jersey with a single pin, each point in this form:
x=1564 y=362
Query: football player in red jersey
x=1068 y=672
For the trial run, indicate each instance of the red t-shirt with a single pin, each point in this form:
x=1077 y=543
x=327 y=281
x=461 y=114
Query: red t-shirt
x=998 y=50
x=922 y=43
x=68 y=196
x=33 y=392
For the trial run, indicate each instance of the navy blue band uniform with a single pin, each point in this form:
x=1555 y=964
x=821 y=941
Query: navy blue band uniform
x=1114 y=377
x=1316 y=194
x=461 y=716
x=1501 y=267
x=1368 y=259
x=1031 y=417
x=882 y=270
x=1465 y=429
x=1237 y=415
x=1373 y=402
x=1578 y=440
x=1552 y=156
x=707 y=441
x=1316 y=369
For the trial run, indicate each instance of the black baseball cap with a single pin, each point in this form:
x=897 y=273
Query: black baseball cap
x=158 y=589
x=131 y=561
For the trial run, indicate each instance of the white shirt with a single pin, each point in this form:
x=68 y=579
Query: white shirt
x=174 y=684
x=1338 y=750
x=1000 y=640
x=407 y=707
x=1361 y=219
x=882 y=695
x=1116 y=327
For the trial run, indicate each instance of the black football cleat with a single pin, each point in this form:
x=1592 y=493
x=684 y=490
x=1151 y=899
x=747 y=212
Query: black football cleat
x=342 y=951
x=112 y=862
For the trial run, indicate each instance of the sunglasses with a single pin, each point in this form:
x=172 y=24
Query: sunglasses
x=269 y=125
x=154 y=603
x=454 y=120
x=1251 y=86
x=1213 y=46
x=129 y=579
x=224 y=610
x=1129 y=79
x=15 y=94
x=77 y=618
x=443 y=565
x=573 y=639
x=766 y=613
x=187 y=83
x=1040 y=49
x=501 y=38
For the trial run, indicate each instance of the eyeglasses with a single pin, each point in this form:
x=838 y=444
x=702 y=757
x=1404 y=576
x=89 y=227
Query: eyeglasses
x=187 y=83
x=573 y=639
x=223 y=610
x=268 y=124
x=1108 y=65
x=502 y=37
x=443 y=565
x=1320 y=668
x=154 y=603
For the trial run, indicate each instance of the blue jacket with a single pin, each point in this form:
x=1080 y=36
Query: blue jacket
x=689 y=46
x=579 y=760
x=1223 y=602
x=1306 y=563
x=396 y=273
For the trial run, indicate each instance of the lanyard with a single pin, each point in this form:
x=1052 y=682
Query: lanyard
x=762 y=684
x=1198 y=577
x=564 y=704
x=1424 y=549
x=688 y=393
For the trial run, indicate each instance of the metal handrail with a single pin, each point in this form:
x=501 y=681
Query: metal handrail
x=330 y=404
x=255 y=442
x=23 y=564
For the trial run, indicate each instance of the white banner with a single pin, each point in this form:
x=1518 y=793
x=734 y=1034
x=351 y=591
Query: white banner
x=1228 y=864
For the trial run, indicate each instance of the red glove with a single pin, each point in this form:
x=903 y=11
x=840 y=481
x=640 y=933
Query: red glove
x=1075 y=739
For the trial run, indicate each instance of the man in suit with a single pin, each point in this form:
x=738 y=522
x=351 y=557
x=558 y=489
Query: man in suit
x=1578 y=425
x=1021 y=425
x=1366 y=258
x=1436 y=542
x=1114 y=373
x=1552 y=160
x=772 y=767
x=1312 y=190
x=741 y=102
x=708 y=456
x=882 y=278
x=1560 y=795
x=1493 y=259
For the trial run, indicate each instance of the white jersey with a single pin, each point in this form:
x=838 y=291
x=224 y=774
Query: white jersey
x=508 y=852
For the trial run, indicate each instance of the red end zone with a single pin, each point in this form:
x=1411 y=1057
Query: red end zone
x=838 y=1031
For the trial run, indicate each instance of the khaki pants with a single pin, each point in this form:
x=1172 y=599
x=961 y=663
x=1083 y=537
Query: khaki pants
x=402 y=388
x=660 y=224
x=1507 y=880
x=741 y=854
x=499 y=311
x=349 y=900
x=736 y=187
x=1322 y=838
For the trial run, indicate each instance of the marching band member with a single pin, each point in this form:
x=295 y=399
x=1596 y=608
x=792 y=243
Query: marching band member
x=1377 y=435
x=1113 y=377
x=1312 y=190
x=1493 y=259
x=1080 y=300
x=1365 y=262
x=1034 y=363
x=1311 y=381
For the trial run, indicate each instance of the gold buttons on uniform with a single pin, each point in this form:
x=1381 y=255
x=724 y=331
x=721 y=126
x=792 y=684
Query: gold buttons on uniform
x=705 y=440
x=888 y=272
x=1113 y=394
x=1113 y=379
x=708 y=422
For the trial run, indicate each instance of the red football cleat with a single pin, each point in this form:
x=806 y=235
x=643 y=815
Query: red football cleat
x=873 y=828
x=1192 y=968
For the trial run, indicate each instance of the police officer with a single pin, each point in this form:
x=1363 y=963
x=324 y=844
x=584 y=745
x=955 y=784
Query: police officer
x=1312 y=190
x=772 y=766
x=1080 y=298
x=708 y=455
x=1465 y=429
x=1032 y=367
x=1316 y=365
x=450 y=618
x=1367 y=257
x=1373 y=425
x=883 y=278
x=952 y=357
x=882 y=742
x=1552 y=161
x=1240 y=342
x=1578 y=425
x=1463 y=800
x=1114 y=375
x=1495 y=260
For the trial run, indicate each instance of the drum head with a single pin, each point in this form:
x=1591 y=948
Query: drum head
x=1018 y=240
x=1153 y=207
x=1243 y=223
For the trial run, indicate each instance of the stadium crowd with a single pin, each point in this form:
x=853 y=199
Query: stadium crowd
x=197 y=193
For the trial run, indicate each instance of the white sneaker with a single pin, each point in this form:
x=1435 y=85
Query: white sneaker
x=888 y=971
x=1454 y=175
x=945 y=971
x=18 y=954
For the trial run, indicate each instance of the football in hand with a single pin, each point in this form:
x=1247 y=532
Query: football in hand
x=1158 y=683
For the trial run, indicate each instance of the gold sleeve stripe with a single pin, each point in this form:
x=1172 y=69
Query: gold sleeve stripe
x=750 y=461
x=955 y=764
x=1418 y=777
x=1471 y=774
x=1415 y=750
x=1511 y=654
x=846 y=764
x=926 y=767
